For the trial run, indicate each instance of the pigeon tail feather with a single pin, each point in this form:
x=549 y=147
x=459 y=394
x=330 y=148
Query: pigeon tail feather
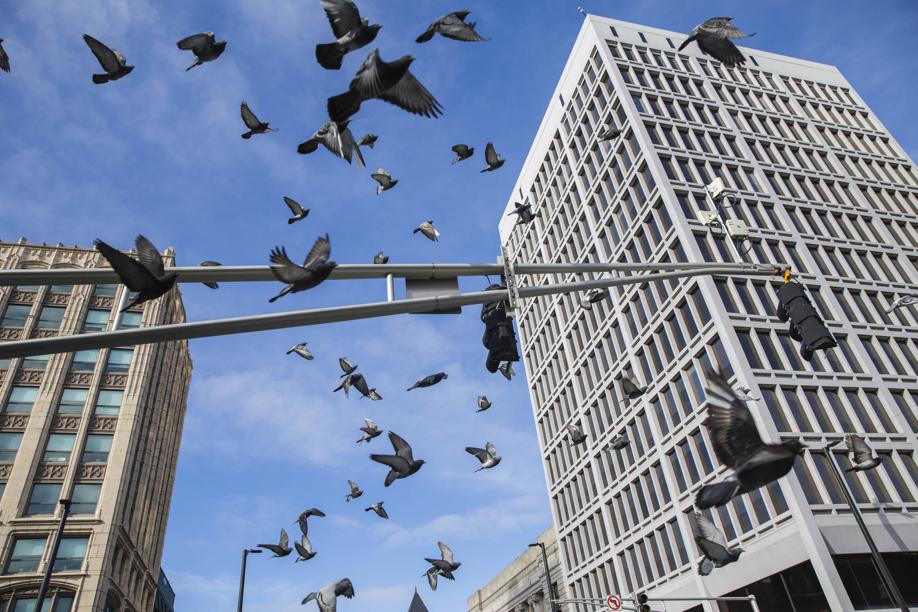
x=247 y=135
x=343 y=106
x=329 y=56
x=716 y=494
x=197 y=62
x=98 y=79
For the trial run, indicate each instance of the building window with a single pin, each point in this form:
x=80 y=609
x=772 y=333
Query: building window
x=104 y=290
x=16 y=315
x=97 y=448
x=50 y=317
x=109 y=402
x=62 y=603
x=25 y=556
x=63 y=289
x=130 y=320
x=45 y=496
x=71 y=554
x=864 y=586
x=96 y=320
x=84 y=498
x=9 y=444
x=21 y=400
x=84 y=361
x=119 y=360
x=59 y=448
x=4 y=364
x=72 y=401
x=35 y=362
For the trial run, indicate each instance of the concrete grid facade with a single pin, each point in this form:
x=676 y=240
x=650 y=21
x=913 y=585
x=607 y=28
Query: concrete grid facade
x=825 y=189
x=100 y=427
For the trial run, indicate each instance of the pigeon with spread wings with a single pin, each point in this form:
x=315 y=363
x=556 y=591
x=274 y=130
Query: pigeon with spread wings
x=462 y=152
x=370 y=430
x=315 y=269
x=351 y=32
x=112 y=61
x=255 y=125
x=452 y=26
x=335 y=137
x=145 y=276
x=487 y=456
x=327 y=597
x=493 y=160
x=282 y=548
x=205 y=47
x=713 y=546
x=402 y=464
x=860 y=454
x=299 y=213
x=714 y=38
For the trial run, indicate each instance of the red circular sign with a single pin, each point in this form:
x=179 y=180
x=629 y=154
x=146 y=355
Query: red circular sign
x=614 y=602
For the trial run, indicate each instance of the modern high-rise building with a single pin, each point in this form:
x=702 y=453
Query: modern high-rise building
x=824 y=188
x=99 y=427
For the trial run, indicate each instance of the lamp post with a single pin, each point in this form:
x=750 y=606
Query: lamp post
x=43 y=589
x=885 y=576
x=245 y=553
x=551 y=591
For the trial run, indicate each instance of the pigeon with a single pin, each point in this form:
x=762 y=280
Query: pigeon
x=738 y=445
x=429 y=381
x=619 y=442
x=429 y=231
x=609 y=133
x=630 y=388
x=327 y=597
x=360 y=383
x=432 y=574
x=388 y=81
x=378 y=509
x=493 y=160
x=370 y=431
x=860 y=455
x=713 y=38
x=368 y=140
x=384 y=179
x=304 y=516
x=209 y=263
x=253 y=123
x=145 y=275
x=525 y=213
x=346 y=366
x=281 y=549
x=299 y=213
x=905 y=300
x=350 y=30
x=380 y=258
x=4 y=58
x=452 y=26
x=462 y=152
x=487 y=456
x=303 y=351
x=337 y=138
x=315 y=269
x=483 y=403
x=444 y=566
x=507 y=370
x=713 y=546
x=575 y=432
x=112 y=61
x=204 y=46
x=304 y=549
x=355 y=491
x=593 y=296
x=344 y=386
x=402 y=464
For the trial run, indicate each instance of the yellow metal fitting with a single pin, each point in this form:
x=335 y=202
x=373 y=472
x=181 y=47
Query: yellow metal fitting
x=787 y=275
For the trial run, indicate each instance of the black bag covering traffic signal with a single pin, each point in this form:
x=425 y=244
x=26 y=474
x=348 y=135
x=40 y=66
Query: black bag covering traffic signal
x=806 y=326
x=642 y=605
x=499 y=336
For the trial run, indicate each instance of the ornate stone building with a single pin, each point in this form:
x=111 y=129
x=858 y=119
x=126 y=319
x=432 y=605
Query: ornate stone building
x=100 y=427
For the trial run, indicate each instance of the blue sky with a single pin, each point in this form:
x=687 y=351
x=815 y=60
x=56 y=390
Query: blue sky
x=159 y=153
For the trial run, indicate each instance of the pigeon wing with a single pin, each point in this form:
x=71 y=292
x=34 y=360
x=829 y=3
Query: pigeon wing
x=131 y=272
x=461 y=31
x=858 y=448
x=107 y=58
x=367 y=83
x=195 y=42
x=730 y=424
x=348 y=145
x=284 y=539
x=492 y=450
x=382 y=512
x=346 y=367
x=283 y=269
x=149 y=256
x=393 y=461
x=293 y=205
x=446 y=552
x=371 y=424
x=574 y=430
x=721 y=49
x=480 y=453
x=4 y=60
x=381 y=176
x=709 y=531
x=248 y=117
x=491 y=155
x=410 y=95
x=461 y=149
x=342 y=15
x=319 y=253
x=722 y=27
x=402 y=448
x=353 y=485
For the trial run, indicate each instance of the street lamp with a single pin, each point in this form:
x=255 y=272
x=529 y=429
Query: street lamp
x=245 y=553
x=54 y=548
x=552 y=596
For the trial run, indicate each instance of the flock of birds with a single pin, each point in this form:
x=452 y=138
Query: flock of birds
x=735 y=438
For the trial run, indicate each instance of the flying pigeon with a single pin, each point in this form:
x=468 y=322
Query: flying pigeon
x=281 y=549
x=368 y=140
x=452 y=26
x=204 y=46
x=344 y=386
x=609 y=133
x=337 y=138
x=507 y=370
x=388 y=81
x=575 y=432
x=905 y=300
x=619 y=442
x=378 y=509
x=738 y=445
x=253 y=123
x=402 y=464
x=429 y=381
x=462 y=152
x=302 y=519
x=525 y=213
x=429 y=231
x=487 y=456
x=299 y=213
x=713 y=546
x=384 y=179
x=346 y=366
x=4 y=58
x=483 y=403
x=315 y=269
x=630 y=388
x=444 y=566
x=860 y=455
x=209 y=263
x=493 y=160
x=304 y=549
x=327 y=597
x=355 y=491
x=370 y=431
x=303 y=351
x=112 y=61
x=360 y=383
x=593 y=296
x=380 y=258
x=713 y=38
x=145 y=275
x=350 y=30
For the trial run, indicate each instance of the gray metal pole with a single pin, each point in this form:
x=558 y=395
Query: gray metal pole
x=552 y=596
x=390 y=288
x=43 y=589
x=882 y=569
x=245 y=553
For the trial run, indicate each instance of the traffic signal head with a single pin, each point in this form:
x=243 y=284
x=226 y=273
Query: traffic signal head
x=499 y=336
x=806 y=326
x=642 y=605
